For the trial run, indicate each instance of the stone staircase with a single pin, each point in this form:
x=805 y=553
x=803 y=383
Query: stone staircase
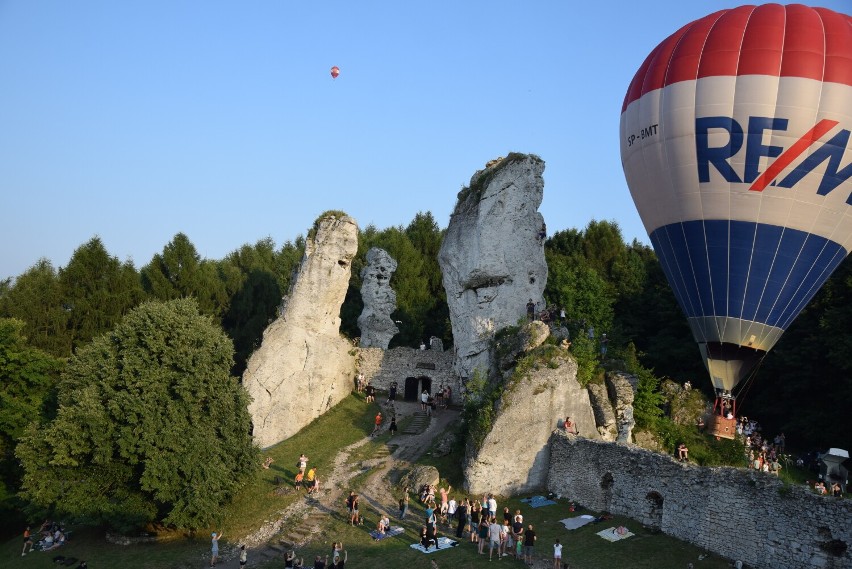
x=299 y=534
x=419 y=423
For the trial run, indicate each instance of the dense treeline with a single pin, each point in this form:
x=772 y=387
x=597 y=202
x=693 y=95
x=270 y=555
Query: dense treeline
x=65 y=329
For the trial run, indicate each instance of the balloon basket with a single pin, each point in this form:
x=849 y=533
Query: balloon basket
x=723 y=428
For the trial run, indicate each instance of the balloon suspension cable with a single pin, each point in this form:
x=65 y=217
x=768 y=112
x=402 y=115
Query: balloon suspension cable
x=746 y=385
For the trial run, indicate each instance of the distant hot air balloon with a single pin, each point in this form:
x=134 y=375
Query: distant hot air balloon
x=735 y=145
x=335 y=71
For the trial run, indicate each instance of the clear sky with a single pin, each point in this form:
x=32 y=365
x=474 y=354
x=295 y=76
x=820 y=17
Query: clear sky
x=136 y=120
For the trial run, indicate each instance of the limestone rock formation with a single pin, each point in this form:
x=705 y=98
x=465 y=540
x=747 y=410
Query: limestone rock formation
x=621 y=388
x=530 y=336
x=513 y=456
x=377 y=326
x=304 y=366
x=604 y=413
x=492 y=256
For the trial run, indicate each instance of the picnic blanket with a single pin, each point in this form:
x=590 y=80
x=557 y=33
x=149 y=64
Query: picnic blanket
x=394 y=530
x=577 y=522
x=443 y=543
x=538 y=501
x=611 y=534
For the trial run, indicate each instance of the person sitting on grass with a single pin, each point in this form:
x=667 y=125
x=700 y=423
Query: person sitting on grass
x=425 y=540
x=682 y=453
x=383 y=526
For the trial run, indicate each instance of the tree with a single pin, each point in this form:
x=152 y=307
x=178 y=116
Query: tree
x=36 y=299
x=97 y=290
x=27 y=381
x=151 y=425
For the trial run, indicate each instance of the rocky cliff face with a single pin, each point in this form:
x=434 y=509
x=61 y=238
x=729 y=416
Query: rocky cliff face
x=514 y=456
x=377 y=326
x=492 y=257
x=303 y=367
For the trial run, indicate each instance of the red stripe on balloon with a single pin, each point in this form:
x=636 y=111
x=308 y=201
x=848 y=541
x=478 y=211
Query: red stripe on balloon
x=773 y=40
x=792 y=153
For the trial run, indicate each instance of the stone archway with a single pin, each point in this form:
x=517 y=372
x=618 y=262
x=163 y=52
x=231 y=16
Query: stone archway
x=414 y=386
x=654 y=510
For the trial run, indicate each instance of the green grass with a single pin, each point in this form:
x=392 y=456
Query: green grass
x=345 y=424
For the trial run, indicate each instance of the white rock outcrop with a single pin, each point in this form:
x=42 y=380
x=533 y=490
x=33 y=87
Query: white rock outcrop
x=377 y=326
x=514 y=456
x=304 y=366
x=492 y=256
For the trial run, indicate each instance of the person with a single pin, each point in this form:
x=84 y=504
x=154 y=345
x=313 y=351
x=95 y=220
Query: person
x=604 y=343
x=290 y=559
x=243 y=556
x=494 y=533
x=461 y=514
x=518 y=533
x=214 y=548
x=569 y=426
x=311 y=482
x=836 y=491
x=557 y=554
x=392 y=391
x=369 y=393
x=430 y=405
x=492 y=506
x=378 y=423
x=320 y=563
x=562 y=316
x=531 y=310
x=425 y=540
x=529 y=544
x=383 y=525
x=682 y=453
x=700 y=424
x=483 y=530
x=422 y=346
x=267 y=462
x=452 y=508
x=820 y=487
x=403 y=504
x=424 y=399
x=340 y=563
x=393 y=427
x=28 y=542
x=507 y=545
x=352 y=505
x=303 y=462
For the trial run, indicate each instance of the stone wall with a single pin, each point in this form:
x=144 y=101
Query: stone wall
x=737 y=513
x=382 y=367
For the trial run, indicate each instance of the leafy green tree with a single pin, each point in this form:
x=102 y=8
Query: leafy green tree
x=27 y=380
x=151 y=425
x=97 y=290
x=36 y=299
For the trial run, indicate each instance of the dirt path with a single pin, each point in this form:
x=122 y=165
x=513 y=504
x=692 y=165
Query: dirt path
x=303 y=520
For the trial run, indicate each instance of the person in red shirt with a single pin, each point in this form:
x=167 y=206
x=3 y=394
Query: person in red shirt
x=378 y=423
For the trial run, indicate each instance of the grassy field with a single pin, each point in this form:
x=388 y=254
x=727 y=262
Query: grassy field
x=320 y=441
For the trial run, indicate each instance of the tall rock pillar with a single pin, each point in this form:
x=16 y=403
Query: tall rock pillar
x=492 y=257
x=377 y=326
x=303 y=366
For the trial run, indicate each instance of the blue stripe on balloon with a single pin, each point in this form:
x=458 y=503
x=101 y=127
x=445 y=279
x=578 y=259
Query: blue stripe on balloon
x=740 y=269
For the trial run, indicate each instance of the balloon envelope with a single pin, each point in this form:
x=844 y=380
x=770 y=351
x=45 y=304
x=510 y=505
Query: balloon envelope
x=335 y=71
x=735 y=145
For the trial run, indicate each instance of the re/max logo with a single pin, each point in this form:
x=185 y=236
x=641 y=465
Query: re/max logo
x=718 y=156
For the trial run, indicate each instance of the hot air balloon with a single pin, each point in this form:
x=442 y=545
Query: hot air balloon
x=335 y=71
x=735 y=145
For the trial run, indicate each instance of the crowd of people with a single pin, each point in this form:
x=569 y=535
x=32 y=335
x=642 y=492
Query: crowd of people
x=51 y=535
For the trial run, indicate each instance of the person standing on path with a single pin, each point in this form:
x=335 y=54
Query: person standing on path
x=214 y=548
x=243 y=556
x=378 y=424
x=393 y=427
x=424 y=398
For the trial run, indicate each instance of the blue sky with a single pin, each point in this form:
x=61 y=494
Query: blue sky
x=138 y=120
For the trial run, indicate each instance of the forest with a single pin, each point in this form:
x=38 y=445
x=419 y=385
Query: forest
x=93 y=328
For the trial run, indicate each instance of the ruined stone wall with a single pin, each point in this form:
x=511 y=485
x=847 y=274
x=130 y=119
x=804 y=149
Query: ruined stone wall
x=737 y=513
x=382 y=367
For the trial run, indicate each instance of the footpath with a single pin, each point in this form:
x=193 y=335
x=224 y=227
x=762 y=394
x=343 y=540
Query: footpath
x=302 y=521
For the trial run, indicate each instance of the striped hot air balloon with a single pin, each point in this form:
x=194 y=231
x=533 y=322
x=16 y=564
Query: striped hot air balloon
x=735 y=145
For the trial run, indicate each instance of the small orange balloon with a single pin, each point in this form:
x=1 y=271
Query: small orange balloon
x=335 y=71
